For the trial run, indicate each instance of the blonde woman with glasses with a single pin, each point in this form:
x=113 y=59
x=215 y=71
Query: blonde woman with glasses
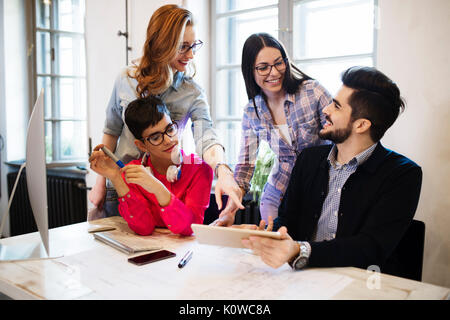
x=165 y=70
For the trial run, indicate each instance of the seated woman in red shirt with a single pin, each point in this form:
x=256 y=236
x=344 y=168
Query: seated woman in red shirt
x=165 y=188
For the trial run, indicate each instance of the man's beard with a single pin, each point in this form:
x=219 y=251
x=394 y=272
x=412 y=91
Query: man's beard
x=337 y=136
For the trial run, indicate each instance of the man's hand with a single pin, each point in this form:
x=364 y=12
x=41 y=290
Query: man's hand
x=273 y=252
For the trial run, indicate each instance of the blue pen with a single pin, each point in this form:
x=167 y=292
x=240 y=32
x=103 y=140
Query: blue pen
x=112 y=156
x=185 y=259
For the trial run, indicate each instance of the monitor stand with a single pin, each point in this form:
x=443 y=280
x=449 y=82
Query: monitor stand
x=26 y=251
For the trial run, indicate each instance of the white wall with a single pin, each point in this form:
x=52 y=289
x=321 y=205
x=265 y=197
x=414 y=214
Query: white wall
x=17 y=90
x=105 y=55
x=139 y=14
x=413 y=49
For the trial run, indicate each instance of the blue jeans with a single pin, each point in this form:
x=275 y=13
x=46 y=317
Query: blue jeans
x=111 y=204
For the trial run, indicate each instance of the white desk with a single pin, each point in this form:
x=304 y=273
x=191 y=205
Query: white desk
x=90 y=269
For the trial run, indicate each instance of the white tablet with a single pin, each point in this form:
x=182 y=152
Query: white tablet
x=227 y=236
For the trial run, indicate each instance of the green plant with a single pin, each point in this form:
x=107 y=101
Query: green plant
x=263 y=166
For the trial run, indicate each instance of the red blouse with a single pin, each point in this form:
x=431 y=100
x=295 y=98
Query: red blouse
x=189 y=199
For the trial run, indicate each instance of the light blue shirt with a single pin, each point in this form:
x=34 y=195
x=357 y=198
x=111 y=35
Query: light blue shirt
x=184 y=98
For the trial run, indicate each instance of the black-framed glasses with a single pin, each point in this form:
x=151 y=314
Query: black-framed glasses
x=184 y=48
x=265 y=69
x=158 y=137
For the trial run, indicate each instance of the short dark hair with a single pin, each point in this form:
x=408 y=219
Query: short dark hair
x=143 y=113
x=376 y=98
x=293 y=77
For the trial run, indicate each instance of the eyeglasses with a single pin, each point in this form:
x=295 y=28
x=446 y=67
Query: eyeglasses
x=265 y=69
x=184 y=48
x=158 y=137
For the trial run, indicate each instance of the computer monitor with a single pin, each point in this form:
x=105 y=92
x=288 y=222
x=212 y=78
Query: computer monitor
x=36 y=169
x=36 y=176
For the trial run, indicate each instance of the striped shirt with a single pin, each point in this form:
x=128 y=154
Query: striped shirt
x=304 y=119
x=338 y=175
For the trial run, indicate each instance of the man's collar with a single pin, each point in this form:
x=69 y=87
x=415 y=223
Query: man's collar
x=363 y=156
x=332 y=155
x=357 y=160
x=377 y=157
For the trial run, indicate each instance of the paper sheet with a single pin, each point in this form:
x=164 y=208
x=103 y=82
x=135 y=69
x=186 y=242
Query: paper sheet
x=212 y=273
x=245 y=276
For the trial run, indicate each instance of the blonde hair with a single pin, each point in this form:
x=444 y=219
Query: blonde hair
x=165 y=33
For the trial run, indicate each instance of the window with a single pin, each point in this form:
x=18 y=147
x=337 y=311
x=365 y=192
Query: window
x=323 y=37
x=235 y=21
x=330 y=36
x=60 y=69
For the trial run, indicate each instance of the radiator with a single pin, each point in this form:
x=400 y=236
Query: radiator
x=66 y=199
x=249 y=215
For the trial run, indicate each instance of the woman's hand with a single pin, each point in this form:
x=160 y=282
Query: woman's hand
x=261 y=227
x=227 y=185
x=143 y=176
x=140 y=175
x=102 y=164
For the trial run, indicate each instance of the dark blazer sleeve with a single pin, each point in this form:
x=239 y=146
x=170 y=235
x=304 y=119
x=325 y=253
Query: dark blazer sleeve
x=385 y=224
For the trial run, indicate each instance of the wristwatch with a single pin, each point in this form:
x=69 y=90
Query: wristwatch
x=300 y=261
x=217 y=167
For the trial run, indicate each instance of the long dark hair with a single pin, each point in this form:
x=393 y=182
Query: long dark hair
x=293 y=76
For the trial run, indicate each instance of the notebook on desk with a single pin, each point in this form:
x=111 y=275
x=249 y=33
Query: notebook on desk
x=126 y=242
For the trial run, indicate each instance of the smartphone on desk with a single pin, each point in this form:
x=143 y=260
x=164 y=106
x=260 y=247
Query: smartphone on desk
x=151 y=257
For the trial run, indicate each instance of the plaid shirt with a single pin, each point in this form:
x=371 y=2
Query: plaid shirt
x=328 y=221
x=304 y=118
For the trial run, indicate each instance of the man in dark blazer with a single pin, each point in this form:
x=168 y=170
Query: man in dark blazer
x=349 y=203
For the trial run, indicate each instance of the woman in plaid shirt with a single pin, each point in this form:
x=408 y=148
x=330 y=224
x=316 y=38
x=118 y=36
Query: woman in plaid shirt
x=284 y=109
